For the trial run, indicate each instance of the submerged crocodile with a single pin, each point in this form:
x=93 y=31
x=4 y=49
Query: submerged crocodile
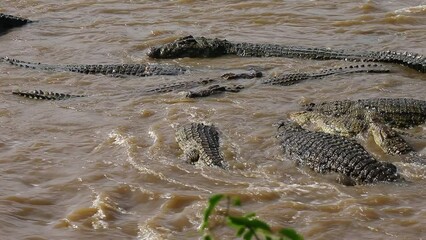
x=213 y=90
x=202 y=47
x=376 y=116
x=116 y=70
x=8 y=22
x=288 y=79
x=215 y=85
x=323 y=153
x=200 y=143
x=162 y=88
x=197 y=93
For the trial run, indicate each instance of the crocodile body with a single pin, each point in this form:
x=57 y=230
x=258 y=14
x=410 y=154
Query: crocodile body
x=8 y=22
x=200 y=47
x=200 y=143
x=213 y=90
x=323 y=153
x=293 y=78
x=44 y=95
x=345 y=125
x=396 y=112
x=117 y=70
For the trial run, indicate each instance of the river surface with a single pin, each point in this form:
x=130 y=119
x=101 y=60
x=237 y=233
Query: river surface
x=107 y=166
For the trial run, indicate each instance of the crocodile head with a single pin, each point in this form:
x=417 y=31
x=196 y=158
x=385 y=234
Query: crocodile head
x=345 y=125
x=389 y=140
x=190 y=46
x=302 y=117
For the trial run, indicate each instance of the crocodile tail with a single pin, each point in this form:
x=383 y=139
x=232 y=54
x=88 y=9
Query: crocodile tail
x=408 y=59
x=24 y=64
x=44 y=95
x=377 y=172
x=293 y=78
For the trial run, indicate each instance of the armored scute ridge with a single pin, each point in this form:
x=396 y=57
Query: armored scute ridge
x=117 y=70
x=396 y=112
x=323 y=153
x=44 y=95
x=200 y=143
x=293 y=78
x=190 y=46
x=9 y=21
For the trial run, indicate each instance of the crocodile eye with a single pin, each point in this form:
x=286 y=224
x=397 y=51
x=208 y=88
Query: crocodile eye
x=310 y=106
x=187 y=40
x=186 y=37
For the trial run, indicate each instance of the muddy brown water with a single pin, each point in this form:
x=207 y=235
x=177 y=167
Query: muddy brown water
x=108 y=167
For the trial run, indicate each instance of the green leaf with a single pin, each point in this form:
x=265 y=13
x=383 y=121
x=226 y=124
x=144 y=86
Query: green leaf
x=250 y=215
x=207 y=237
x=249 y=223
x=259 y=224
x=248 y=235
x=241 y=231
x=291 y=234
x=238 y=221
x=213 y=201
x=247 y=226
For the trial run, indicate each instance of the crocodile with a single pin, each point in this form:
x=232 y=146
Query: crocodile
x=197 y=93
x=115 y=70
x=200 y=143
x=396 y=112
x=378 y=116
x=201 y=47
x=325 y=153
x=8 y=22
x=350 y=125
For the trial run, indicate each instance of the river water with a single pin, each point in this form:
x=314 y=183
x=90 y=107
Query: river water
x=107 y=166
